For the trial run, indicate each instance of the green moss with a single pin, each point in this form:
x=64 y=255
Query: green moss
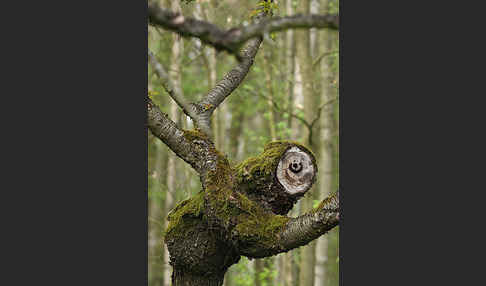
x=232 y=208
x=261 y=227
x=265 y=163
x=221 y=177
x=192 y=207
x=195 y=134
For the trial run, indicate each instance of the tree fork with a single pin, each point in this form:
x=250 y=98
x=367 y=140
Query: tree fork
x=241 y=211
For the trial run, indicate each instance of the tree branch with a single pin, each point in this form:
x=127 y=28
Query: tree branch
x=299 y=231
x=176 y=139
x=232 y=39
x=229 y=83
x=177 y=97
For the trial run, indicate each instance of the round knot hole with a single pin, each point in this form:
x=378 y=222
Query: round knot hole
x=295 y=166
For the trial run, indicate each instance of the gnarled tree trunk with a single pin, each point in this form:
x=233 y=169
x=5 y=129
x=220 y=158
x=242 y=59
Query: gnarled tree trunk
x=241 y=211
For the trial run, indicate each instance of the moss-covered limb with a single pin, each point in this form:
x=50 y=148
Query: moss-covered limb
x=278 y=177
x=295 y=232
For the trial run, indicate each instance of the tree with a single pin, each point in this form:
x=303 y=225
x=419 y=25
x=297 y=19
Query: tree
x=241 y=209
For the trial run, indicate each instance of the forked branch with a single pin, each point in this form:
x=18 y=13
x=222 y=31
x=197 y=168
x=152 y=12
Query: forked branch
x=229 y=83
x=232 y=39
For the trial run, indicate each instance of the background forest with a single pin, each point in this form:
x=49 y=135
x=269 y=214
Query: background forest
x=291 y=93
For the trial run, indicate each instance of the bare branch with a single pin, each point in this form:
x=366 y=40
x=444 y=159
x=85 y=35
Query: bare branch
x=306 y=123
x=177 y=97
x=189 y=27
x=318 y=115
x=232 y=39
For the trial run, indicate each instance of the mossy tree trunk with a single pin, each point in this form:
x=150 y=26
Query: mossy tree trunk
x=241 y=209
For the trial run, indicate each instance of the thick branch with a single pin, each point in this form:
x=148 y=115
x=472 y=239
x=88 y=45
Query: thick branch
x=188 y=27
x=299 y=231
x=164 y=77
x=232 y=39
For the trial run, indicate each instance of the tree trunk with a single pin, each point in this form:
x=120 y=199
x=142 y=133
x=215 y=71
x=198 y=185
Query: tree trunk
x=186 y=278
x=244 y=215
x=306 y=275
x=326 y=155
x=290 y=64
x=156 y=214
x=267 y=55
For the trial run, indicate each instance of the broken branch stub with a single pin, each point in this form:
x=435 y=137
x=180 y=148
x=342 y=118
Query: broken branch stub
x=296 y=171
x=279 y=176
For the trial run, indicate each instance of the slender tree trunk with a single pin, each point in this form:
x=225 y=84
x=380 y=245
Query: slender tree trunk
x=267 y=55
x=290 y=63
x=306 y=276
x=326 y=154
x=333 y=237
x=156 y=211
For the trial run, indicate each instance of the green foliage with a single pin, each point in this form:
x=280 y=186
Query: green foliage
x=265 y=6
x=333 y=7
x=191 y=207
x=244 y=273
